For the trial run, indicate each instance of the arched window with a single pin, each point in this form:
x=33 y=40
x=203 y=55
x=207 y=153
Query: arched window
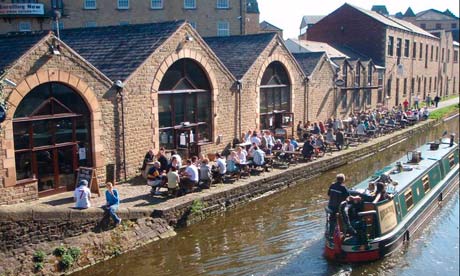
x=274 y=96
x=184 y=106
x=52 y=137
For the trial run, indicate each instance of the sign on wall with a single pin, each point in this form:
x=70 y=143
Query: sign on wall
x=22 y=9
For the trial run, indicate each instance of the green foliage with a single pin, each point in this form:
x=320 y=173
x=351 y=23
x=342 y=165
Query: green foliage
x=197 y=207
x=39 y=266
x=75 y=252
x=39 y=256
x=442 y=112
x=66 y=262
x=116 y=251
x=59 y=251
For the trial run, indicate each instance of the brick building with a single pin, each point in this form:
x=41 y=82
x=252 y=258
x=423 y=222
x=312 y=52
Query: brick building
x=432 y=19
x=411 y=56
x=209 y=17
x=362 y=79
x=105 y=95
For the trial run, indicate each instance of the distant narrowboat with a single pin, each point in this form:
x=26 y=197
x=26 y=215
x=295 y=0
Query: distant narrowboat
x=415 y=186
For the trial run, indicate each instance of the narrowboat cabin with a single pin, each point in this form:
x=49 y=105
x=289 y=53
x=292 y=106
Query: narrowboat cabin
x=415 y=185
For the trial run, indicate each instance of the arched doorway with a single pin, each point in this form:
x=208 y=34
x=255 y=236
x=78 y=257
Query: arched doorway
x=184 y=107
x=275 y=98
x=52 y=137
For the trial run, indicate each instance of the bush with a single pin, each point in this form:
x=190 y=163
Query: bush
x=39 y=266
x=197 y=207
x=66 y=262
x=59 y=251
x=75 y=252
x=39 y=256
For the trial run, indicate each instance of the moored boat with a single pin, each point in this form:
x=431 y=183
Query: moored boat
x=415 y=185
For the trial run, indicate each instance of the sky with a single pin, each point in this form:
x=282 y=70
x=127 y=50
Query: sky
x=287 y=14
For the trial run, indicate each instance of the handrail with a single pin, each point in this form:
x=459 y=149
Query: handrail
x=365 y=213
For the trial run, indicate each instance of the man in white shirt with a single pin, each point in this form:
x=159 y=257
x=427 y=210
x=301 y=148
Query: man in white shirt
x=255 y=139
x=178 y=158
x=82 y=195
x=221 y=164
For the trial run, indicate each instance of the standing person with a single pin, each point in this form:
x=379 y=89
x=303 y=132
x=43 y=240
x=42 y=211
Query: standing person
x=113 y=202
x=337 y=193
x=406 y=104
x=416 y=100
x=82 y=195
x=163 y=160
x=436 y=100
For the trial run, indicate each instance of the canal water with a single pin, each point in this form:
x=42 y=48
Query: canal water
x=282 y=234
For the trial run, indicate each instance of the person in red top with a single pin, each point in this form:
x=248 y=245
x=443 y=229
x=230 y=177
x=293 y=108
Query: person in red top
x=406 y=104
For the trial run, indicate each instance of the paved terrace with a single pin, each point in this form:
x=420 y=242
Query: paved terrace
x=136 y=194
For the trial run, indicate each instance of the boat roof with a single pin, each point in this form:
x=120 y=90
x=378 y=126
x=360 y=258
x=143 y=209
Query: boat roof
x=429 y=158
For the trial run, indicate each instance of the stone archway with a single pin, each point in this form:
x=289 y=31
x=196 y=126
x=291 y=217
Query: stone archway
x=163 y=68
x=27 y=85
x=285 y=63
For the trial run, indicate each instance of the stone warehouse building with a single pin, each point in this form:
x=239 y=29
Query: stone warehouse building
x=102 y=96
x=209 y=17
x=413 y=58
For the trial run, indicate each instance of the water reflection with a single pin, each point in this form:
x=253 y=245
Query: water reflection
x=283 y=235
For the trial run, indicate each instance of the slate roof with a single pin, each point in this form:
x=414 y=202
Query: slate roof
x=382 y=9
x=409 y=13
x=392 y=21
x=264 y=25
x=308 y=61
x=433 y=14
x=351 y=53
x=12 y=47
x=117 y=51
x=313 y=46
x=239 y=52
x=310 y=19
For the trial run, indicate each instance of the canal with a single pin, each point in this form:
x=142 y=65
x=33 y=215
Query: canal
x=282 y=234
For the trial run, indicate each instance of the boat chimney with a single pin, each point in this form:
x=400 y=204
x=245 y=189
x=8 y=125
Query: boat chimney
x=452 y=138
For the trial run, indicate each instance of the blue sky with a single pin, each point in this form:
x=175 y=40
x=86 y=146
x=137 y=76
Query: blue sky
x=287 y=14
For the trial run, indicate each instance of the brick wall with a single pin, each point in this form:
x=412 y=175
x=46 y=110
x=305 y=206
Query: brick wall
x=322 y=96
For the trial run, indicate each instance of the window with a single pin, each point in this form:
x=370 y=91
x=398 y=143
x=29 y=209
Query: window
x=184 y=96
x=435 y=83
x=420 y=51
x=442 y=55
x=438 y=26
x=448 y=55
x=389 y=88
x=390 y=45
x=423 y=26
x=431 y=53
x=405 y=87
x=223 y=28
x=358 y=75
x=25 y=26
x=380 y=89
x=123 y=23
x=426 y=56
x=50 y=126
x=223 y=4
x=90 y=5
x=455 y=56
x=398 y=47
x=397 y=90
x=123 y=4
x=57 y=4
x=429 y=85
x=424 y=87
x=91 y=24
x=437 y=53
x=406 y=48
x=189 y=4
x=453 y=25
x=408 y=199
x=344 y=98
x=275 y=95
x=414 y=50
x=156 y=4
x=426 y=183
x=451 y=160
x=412 y=87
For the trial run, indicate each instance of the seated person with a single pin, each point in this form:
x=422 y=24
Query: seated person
x=149 y=157
x=205 y=174
x=278 y=145
x=221 y=165
x=380 y=193
x=173 y=181
x=174 y=163
x=259 y=157
x=287 y=147
x=349 y=210
x=294 y=143
x=319 y=143
x=190 y=177
x=82 y=195
x=233 y=162
x=154 y=178
x=308 y=150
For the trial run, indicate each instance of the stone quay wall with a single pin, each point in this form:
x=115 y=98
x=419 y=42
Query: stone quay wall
x=237 y=194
